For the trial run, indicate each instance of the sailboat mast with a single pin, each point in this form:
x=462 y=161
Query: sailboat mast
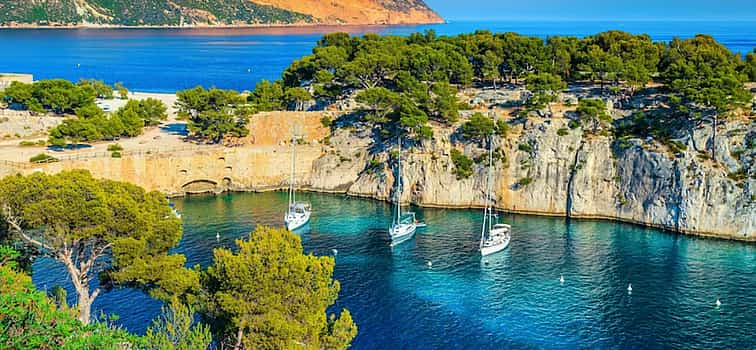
x=399 y=185
x=489 y=201
x=293 y=165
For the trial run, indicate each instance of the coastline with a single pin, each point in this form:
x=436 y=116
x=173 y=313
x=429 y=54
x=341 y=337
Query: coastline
x=214 y=26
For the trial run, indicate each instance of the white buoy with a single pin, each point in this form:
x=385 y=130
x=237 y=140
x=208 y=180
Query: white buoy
x=217 y=236
x=630 y=288
x=561 y=279
x=430 y=263
x=335 y=252
x=719 y=303
x=78 y=65
x=249 y=70
x=485 y=261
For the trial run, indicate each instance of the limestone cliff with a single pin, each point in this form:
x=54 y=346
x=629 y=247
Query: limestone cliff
x=571 y=174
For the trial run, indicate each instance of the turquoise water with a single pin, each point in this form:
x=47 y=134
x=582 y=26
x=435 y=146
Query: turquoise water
x=515 y=300
x=166 y=60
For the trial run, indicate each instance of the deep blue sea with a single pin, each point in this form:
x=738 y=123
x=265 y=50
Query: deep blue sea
x=166 y=60
x=513 y=299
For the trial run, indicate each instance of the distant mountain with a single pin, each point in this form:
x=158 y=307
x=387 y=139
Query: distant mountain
x=212 y=12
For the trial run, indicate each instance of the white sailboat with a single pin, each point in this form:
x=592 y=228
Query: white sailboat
x=298 y=213
x=494 y=236
x=404 y=225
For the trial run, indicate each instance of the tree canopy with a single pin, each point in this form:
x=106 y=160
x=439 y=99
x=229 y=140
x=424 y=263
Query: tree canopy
x=268 y=295
x=214 y=113
x=98 y=228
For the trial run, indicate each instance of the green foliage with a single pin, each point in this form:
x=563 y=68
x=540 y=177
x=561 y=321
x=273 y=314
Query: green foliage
x=545 y=87
x=297 y=97
x=93 y=124
x=56 y=95
x=268 y=294
x=381 y=103
x=563 y=131
x=478 y=128
x=268 y=96
x=123 y=92
x=704 y=74
x=115 y=154
x=462 y=164
x=150 y=12
x=43 y=158
x=738 y=175
x=114 y=147
x=214 y=114
x=175 y=329
x=71 y=214
x=101 y=89
x=326 y=121
x=593 y=111
x=32 y=143
x=525 y=147
x=524 y=181
x=150 y=110
x=32 y=321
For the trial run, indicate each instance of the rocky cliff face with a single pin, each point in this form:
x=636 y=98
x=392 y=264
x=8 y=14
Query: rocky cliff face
x=570 y=174
x=211 y=13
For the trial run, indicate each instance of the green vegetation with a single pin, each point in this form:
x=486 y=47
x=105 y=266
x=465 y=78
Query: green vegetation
x=116 y=154
x=32 y=143
x=254 y=293
x=563 y=131
x=545 y=87
x=43 y=158
x=151 y=111
x=265 y=294
x=114 y=147
x=524 y=181
x=525 y=147
x=31 y=320
x=101 y=89
x=214 y=114
x=462 y=164
x=592 y=112
x=57 y=95
x=93 y=124
x=76 y=220
x=480 y=127
x=147 y=12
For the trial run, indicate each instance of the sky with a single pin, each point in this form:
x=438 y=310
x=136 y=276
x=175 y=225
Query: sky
x=595 y=9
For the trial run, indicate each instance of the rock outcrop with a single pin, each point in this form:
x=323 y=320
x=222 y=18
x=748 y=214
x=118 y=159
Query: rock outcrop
x=568 y=173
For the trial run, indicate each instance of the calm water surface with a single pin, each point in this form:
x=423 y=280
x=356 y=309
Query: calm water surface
x=166 y=60
x=515 y=300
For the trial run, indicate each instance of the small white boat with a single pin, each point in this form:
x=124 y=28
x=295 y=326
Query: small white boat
x=494 y=237
x=175 y=211
x=297 y=216
x=404 y=225
x=298 y=213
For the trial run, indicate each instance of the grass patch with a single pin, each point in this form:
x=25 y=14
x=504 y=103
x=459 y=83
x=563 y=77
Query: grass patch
x=113 y=147
x=116 y=154
x=43 y=158
x=32 y=143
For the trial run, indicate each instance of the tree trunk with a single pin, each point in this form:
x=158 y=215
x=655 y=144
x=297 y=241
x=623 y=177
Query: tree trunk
x=239 y=336
x=85 y=307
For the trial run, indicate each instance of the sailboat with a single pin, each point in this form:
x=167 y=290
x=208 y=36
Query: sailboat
x=404 y=225
x=298 y=213
x=494 y=237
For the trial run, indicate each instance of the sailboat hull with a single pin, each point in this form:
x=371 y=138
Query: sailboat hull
x=294 y=221
x=495 y=248
x=401 y=233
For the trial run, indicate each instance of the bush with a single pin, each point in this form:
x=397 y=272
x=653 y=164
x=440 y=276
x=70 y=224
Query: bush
x=116 y=154
x=525 y=147
x=525 y=181
x=114 y=147
x=563 y=131
x=326 y=121
x=32 y=143
x=43 y=158
x=739 y=175
x=462 y=164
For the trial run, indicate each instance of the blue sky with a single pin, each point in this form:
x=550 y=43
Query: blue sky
x=595 y=9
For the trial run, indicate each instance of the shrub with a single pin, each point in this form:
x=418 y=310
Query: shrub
x=524 y=181
x=462 y=164
x=32 y=143
x=43 y=158
x=738 y=175
x=326 y=121
x=563 y=131
x=116 y=154
x=114 y=147
x=525 y=147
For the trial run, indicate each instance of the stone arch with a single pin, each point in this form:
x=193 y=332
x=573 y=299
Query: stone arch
x=200 y=186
